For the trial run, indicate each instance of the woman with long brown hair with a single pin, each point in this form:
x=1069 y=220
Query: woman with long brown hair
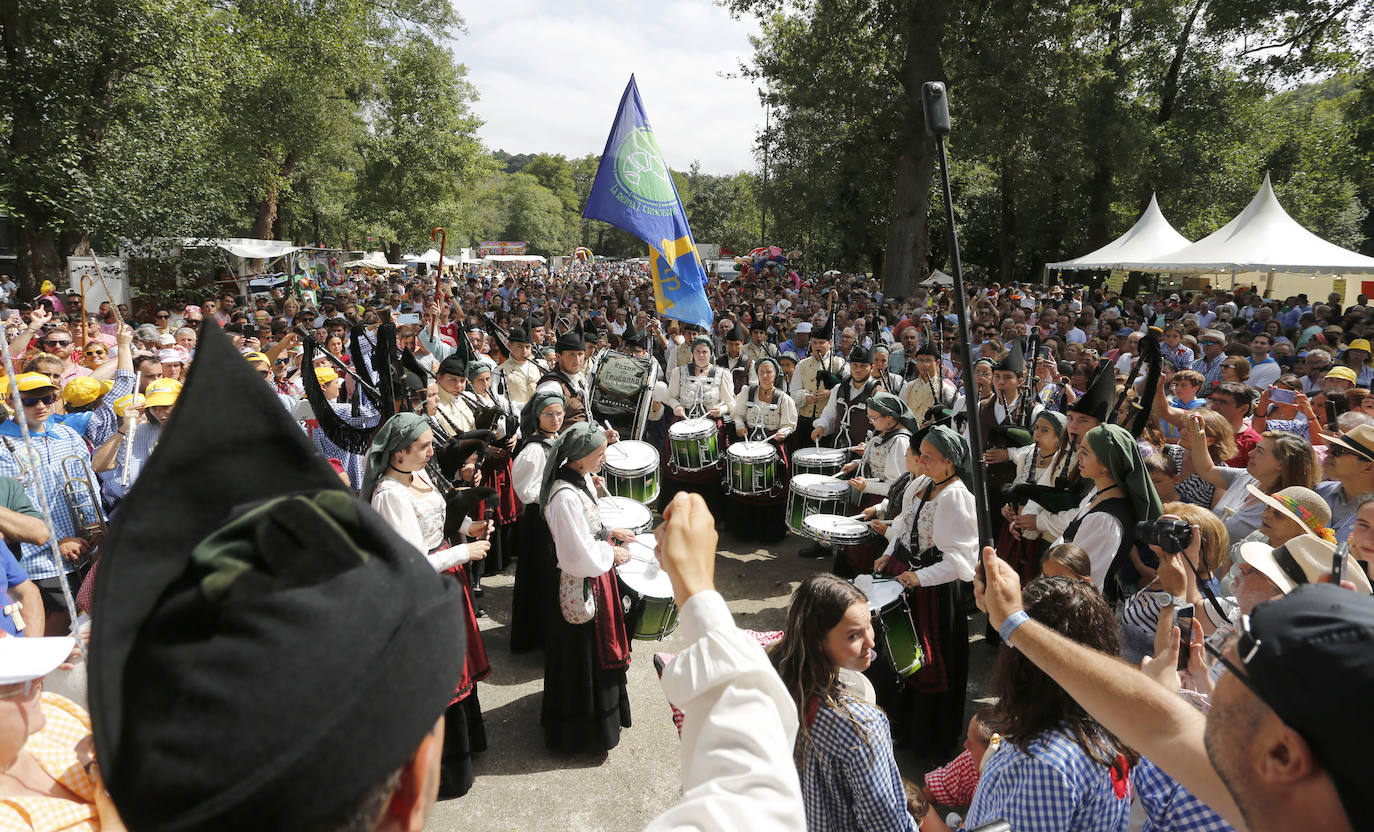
x=1056 y=765
x=844 y=757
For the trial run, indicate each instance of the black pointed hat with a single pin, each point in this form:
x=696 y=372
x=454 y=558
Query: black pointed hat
x=1014 y=361
x=1100 y=397
x=737 y=333
x=519 y=335
x=826 y=330
x=570 y=340
x=928 y=348
x=248 y=603
x=860 y=354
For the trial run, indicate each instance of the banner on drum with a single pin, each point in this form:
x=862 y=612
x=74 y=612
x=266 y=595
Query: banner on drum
x=634 y=191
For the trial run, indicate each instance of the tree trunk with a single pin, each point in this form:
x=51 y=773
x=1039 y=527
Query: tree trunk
x=266 y=219
x=1168 y=96
x=393 y=253
x=925 y=33
x=1006 y=236
x=39 y=259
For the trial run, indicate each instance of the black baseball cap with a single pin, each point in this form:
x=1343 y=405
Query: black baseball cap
x=1313 y=663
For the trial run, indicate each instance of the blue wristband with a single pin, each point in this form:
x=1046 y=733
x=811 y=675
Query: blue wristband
x=1009 y=626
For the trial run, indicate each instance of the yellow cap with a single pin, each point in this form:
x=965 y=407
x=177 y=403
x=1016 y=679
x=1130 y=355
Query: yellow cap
x=255 y=357
x=164 y=391
x=1342 y=372
x=83 y=390
x=29 y=382
x=122 y=403
x=1360 y=344
x=324 y=375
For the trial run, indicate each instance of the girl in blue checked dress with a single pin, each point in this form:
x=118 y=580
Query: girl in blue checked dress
x=849 y=777
x=1056 y=769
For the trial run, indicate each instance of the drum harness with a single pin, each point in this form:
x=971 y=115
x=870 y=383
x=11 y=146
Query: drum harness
x=848 y=391
x=752 y=403
x=698 y=408
x=924 y=557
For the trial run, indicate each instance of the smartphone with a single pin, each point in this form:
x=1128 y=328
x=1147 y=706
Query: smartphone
x=1043 y=352
x=1183 y=619
x=1338 y=563
x=407 y=318
x=1283 y=395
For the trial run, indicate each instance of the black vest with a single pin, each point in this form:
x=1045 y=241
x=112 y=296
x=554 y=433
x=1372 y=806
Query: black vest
x=1121 y=509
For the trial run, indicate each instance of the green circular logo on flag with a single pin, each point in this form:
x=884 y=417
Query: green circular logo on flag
x=640 y=169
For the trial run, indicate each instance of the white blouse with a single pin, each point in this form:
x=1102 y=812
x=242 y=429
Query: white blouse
x=885 y=459
x=779 y=416
x=527 y=475
x=579 y=551
x=949 y=523
x=1025 y=459
x=419 y=519
x=1100 y=535
x=688 y=391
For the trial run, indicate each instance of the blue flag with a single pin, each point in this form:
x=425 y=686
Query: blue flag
x=634 y=191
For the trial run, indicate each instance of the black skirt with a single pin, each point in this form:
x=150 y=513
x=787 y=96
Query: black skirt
x=584 y=706
x=535 y=600
x=927 y=709
x=464 y=735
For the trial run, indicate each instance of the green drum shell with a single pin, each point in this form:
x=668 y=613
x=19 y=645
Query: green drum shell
x=903 y=648
x=802 y=463
x=658 y=619
x=692 y=453
x=640 y=485
x=751 y=476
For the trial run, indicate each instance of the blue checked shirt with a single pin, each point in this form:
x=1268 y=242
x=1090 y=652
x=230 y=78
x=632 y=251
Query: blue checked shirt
x=144 y=439
x=41 y=474
x=1211 y=370
x=1056 y=787
x=849 y=778
x=1169 y=807
x=103 y=420
x=354 y=464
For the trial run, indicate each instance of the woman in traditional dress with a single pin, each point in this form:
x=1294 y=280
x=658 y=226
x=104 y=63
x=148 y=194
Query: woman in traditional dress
x=493 y=411
x=585 y=700
x=1122 y=495
x=702 y=389
x=1021 y=544
x=535 y=600
x=398 y=487
x=932 y=552
x=764 y=412
x=882 y=464
x=844 y=756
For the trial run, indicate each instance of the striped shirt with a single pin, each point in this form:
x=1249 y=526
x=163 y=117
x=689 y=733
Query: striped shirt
x=41 y=475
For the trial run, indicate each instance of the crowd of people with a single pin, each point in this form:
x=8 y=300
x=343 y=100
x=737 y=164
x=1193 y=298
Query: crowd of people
x=1167 y=477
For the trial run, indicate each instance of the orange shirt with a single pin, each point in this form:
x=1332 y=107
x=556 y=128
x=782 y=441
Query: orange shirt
x=54 y=748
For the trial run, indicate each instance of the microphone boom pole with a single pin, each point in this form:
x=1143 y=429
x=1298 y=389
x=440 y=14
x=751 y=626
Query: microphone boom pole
x=937 y=125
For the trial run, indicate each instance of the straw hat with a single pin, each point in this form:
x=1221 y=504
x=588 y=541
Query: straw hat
x=1359 y=440
x=1303 y=506
x=1301 y=560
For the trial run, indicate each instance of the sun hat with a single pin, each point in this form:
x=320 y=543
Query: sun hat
x=25 y=659
x=1358 y=440
x=1341 y=372
x=1303 y=506
x=325 y=375
x=1301 y=560
x=83 y=390
x=31 y=382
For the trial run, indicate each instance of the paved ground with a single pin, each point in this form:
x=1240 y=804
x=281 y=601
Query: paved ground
x=521 y=787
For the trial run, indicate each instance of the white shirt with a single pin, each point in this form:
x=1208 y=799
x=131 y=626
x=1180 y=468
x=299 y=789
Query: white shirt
x=687 y=391
x=1099 y=535
x=1263 y=375
x=527 y=474
x=738 y=731
x=955 y=532
x=778 y=417
x=580 y=554
x=887 y=461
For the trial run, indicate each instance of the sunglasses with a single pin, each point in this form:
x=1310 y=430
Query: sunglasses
x=57 y=343
x=35 y=401
x=1247 y=645
x=160 y=317
x=22 y=690
x=95 y=352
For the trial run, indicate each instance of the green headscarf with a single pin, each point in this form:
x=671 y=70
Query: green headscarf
x=702 y=339
x=534 y=408
x=953 y=447
x=1115 y=448
x=889 y=405
x=1057 y=421
x=574 y=443
x=399 y=433
x=478 y=366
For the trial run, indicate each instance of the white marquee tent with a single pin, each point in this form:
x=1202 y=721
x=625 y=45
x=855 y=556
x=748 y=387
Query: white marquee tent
x=938 y=278
x=1263 y=243
x=1151 y=236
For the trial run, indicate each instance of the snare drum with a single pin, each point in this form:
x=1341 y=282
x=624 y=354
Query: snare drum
x=624 y=513
x=835 y=530
x=824 y=461
x=751 y=468
x=893 y=624
x=631 y=470
x=694 y=444
x=646 y=593
x=811 y=494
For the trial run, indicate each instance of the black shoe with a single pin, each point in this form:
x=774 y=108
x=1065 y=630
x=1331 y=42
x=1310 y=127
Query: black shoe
x=477 y=591
x=481 y=611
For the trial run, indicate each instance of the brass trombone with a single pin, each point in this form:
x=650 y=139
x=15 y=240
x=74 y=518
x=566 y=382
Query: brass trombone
x=83 y=501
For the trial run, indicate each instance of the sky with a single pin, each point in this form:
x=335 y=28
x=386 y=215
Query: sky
x=550 y=73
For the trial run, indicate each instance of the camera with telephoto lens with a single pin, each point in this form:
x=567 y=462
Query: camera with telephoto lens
x=1173 y=536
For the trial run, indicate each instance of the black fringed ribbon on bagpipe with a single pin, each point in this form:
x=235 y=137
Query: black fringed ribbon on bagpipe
x=354 y=440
